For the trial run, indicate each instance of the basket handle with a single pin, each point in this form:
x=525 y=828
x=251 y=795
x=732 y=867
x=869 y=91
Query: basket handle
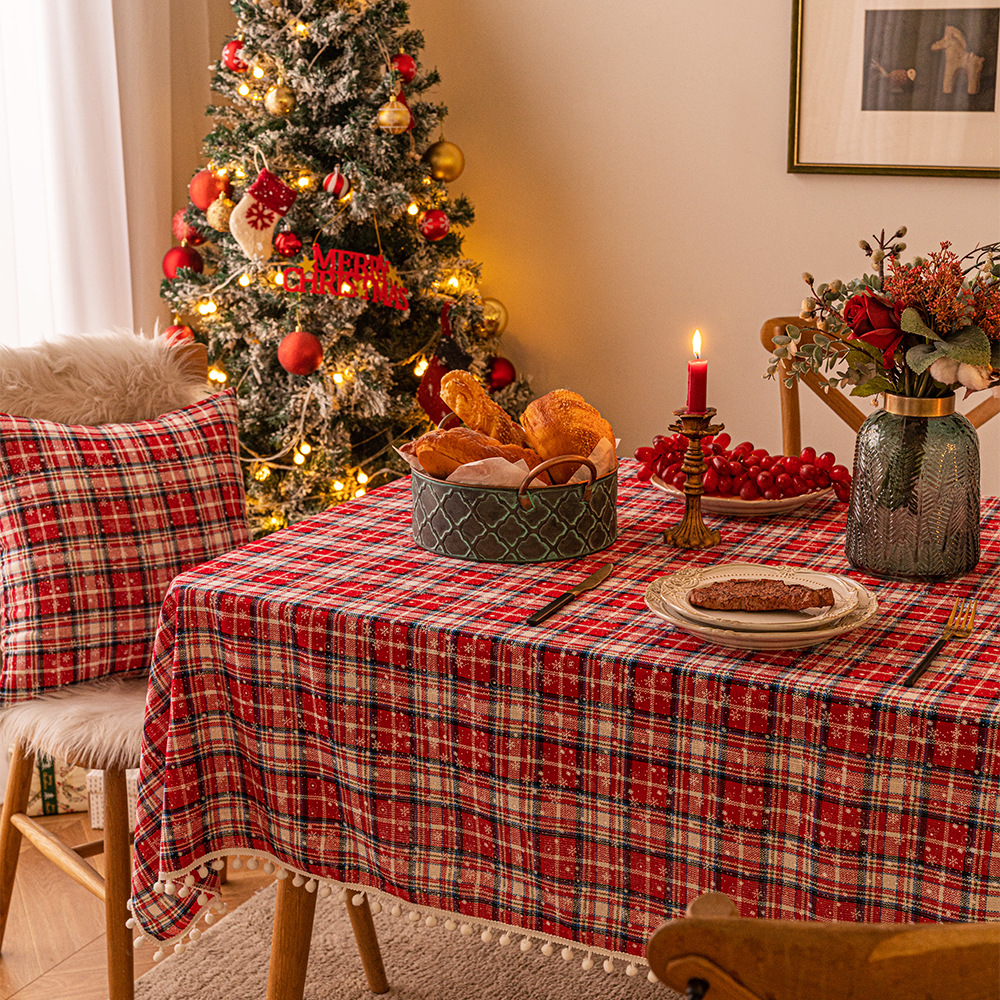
x=522 y=493
x=446 y=421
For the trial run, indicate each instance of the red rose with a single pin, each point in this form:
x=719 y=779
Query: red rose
x=876 y=323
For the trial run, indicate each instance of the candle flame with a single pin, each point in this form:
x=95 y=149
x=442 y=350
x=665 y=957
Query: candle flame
x=696 y=343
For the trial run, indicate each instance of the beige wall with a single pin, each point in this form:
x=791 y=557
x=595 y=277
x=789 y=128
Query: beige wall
x=627 y=164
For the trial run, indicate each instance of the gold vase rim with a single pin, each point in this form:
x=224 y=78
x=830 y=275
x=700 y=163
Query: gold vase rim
x=919 y=406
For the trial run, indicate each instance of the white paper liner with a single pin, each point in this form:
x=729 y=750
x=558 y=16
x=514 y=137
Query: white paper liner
x=498 y=472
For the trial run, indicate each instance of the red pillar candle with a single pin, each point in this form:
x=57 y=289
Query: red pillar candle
x=697 y=377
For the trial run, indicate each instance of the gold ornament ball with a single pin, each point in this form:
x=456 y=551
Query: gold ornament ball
x=445 y=159
x=394 y=117
x=280 y=100
x=217 y=214
x=494 y=316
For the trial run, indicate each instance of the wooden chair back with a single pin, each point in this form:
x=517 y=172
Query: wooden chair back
x=714 y=953
x=194 y=359
x=839 y=402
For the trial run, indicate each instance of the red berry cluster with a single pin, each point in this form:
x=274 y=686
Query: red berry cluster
x=745 y=471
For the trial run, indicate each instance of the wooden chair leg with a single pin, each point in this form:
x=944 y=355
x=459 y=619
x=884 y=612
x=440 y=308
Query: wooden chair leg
x=15 y=801
x=368 y=949
x=294 y=910
x=118 y=825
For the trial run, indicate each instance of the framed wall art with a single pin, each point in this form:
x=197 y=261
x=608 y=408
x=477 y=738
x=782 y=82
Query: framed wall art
x=894 y=87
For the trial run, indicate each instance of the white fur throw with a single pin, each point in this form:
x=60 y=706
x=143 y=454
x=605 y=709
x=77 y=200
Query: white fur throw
x=94 y=724
x=113 y=377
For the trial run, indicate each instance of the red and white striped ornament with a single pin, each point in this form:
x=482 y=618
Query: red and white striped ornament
x=337 y=184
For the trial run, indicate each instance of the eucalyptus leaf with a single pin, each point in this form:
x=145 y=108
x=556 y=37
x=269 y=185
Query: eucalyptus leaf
x=912 y=323
x=873 y=387
x=869 y=349
x=970 y=346
x=858 y=358
x=921 y=356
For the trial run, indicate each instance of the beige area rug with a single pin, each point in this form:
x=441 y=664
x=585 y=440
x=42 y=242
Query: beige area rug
x=422 y=963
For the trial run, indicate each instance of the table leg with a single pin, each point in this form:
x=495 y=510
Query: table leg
x=293 y=920
x=371 y=956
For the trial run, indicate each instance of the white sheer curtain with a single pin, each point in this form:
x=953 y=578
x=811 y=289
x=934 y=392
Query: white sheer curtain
x=64 y=249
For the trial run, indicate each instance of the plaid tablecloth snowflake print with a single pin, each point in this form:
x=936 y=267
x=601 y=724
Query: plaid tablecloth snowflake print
x=339 y=700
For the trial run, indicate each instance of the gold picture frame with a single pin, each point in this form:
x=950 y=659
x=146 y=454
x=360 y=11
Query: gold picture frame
x=891 y=90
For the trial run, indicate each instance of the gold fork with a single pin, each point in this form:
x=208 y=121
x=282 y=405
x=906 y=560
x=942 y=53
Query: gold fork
x=960 y=625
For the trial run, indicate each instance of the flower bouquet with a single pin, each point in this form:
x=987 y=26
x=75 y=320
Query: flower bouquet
x=924 y=329
x=913 y=333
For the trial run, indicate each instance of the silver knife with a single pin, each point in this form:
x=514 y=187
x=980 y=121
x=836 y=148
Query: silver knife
x=563 y=599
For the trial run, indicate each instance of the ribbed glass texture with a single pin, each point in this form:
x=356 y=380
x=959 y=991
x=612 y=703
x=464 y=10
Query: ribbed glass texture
x=914 y=509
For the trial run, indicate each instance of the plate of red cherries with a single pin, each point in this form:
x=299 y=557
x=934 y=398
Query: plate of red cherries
x=744 y=481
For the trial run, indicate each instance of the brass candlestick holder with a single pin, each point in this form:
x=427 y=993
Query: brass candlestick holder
x=692 y=533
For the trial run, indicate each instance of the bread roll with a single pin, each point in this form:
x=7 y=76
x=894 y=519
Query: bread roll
x=473 y=406
x=440 y=453
x=563 y=423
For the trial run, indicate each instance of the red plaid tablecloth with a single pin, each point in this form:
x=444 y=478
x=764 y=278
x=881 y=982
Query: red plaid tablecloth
x=352 y=707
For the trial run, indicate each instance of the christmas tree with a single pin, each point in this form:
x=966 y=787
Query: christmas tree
x=320 y=256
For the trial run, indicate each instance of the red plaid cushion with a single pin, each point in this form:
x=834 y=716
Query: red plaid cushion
x=94 y=524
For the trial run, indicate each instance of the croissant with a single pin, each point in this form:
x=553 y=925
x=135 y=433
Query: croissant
x=563 y=423
x=475 y=409
x=441 y=452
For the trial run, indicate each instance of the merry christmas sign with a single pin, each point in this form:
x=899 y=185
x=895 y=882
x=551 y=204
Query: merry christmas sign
x=348 y=275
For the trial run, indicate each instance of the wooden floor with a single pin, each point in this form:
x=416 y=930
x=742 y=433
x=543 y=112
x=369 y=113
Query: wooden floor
x=56 y=950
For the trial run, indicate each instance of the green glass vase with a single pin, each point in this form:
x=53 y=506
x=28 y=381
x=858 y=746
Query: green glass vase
x=914 y=508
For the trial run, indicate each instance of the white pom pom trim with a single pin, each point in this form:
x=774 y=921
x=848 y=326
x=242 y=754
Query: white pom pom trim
x=183 y=884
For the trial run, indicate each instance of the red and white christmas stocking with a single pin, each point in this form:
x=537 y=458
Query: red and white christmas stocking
x=262 y=206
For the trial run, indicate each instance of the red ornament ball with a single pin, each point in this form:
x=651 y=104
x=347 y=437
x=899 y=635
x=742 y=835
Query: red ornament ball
x=178 y=334
x=337 y=184
x=177 y=257
x=287 y=244
x=405 y=66
x=184 y=231
x=300 y=353
x=502 y=373
x=205 y=187
x=231 y=56
x=434 y=225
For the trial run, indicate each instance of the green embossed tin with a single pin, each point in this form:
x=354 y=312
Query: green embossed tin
x=492 y=524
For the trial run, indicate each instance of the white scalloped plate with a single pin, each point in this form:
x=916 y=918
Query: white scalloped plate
x=736 y=507
x=865 y=611
x=675 y=588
